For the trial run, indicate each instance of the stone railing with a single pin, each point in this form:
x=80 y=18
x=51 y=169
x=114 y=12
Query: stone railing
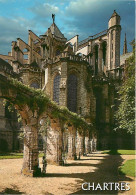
x=115 y=73
x=92 y=37
x=67 y=56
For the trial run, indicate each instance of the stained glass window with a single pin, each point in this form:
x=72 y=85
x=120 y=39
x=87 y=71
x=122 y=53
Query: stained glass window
x=57 y=52
x=35 y=85
x=56 y=88
x=72 y=93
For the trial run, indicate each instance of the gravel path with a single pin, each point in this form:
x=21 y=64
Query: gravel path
x=97 y=168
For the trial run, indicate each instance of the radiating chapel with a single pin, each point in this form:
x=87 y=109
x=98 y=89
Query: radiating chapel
x=80 y=75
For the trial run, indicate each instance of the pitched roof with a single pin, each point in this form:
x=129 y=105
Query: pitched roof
x=114 y=14
x=56 y=32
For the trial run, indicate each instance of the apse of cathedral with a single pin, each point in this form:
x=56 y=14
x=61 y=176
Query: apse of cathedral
x=81 y=75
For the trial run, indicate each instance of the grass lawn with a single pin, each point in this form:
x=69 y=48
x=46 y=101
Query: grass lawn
x=128 y=168
x=14 y=155
x=119 y=152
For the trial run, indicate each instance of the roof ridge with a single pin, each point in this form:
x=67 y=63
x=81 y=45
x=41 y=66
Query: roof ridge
x=56 y=31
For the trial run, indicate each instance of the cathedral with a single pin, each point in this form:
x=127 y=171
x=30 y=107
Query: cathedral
x=80 y=75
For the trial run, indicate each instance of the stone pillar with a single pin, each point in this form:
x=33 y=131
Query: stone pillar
x=65 y=144
x=78 y=145
x=30 y=160
x=74 y=143
x=63 y=83
x=71 y=143
x=82 y=92
x=100 y=59
x=53 y=142
x=86 y=142
x=94 y=144
x=91 y=145
x=60 y=144
x=60 y=151
x=84 y=152
x=109 y=51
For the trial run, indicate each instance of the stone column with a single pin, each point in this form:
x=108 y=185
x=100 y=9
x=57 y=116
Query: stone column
x=30 y=160
x=91 y=146
x=52 y=142
x=74 y=144
x=63 y=83
x=94 y=143
x=86 y=142
x=109 y=51
x=60 y=142
x=70 y=143
x=84 y=152
x=65 y=144
x=78 y=145
x=100 y=59
x=60 y=151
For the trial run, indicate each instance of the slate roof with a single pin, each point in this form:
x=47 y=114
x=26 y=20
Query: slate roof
x=55 y=31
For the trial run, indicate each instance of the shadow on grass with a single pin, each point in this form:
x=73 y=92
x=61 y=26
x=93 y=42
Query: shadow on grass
x=105 y=171
x=10 y=154
x=120 y=152
x=113 y=152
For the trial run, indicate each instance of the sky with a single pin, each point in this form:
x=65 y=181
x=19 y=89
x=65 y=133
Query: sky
x=82 y=17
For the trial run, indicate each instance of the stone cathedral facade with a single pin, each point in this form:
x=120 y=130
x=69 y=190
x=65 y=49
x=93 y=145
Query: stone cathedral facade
x=82 y=76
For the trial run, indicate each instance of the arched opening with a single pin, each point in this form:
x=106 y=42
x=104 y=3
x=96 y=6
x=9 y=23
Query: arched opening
x=3 y=145
x=104 y=48
x=13 y=125
x=25 y=52
x=57 y=52
x=56 y=88
x=30 y=163
x=35 y=85
x=72 y=93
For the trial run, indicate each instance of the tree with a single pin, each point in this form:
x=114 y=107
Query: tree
x=125 y=115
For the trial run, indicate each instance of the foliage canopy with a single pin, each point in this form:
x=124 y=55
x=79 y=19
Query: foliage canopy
x=125 y=115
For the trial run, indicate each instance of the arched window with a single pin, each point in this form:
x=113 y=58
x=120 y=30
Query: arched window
x=104 y=47
x=57 y=52
x=56 y=88
x=25 y=51
x=35 y=85
x=72 y=93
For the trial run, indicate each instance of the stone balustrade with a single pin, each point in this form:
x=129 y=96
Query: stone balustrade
x=66 y=56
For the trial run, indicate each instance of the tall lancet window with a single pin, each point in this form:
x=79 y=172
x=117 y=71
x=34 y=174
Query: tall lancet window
x=72 y=93
x=56 y=88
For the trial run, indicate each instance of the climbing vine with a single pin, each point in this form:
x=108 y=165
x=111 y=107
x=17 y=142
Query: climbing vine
x=37 y=100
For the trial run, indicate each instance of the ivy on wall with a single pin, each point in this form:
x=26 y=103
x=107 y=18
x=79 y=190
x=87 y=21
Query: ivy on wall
x=37 y=100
